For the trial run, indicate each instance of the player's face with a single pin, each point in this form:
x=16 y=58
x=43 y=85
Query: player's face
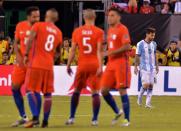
x=113 y=18
x=66 y=43
x=151 y=36
x=173 y=46
x=34 y=17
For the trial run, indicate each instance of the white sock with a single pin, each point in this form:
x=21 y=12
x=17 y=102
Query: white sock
x=149 y=96
x=142 y=90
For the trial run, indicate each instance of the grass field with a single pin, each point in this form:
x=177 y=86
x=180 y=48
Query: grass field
x=166 y=115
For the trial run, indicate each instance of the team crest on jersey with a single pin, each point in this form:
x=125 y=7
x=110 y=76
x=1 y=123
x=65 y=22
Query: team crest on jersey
x=27 y=33
x=114 y=36
x=126 y=36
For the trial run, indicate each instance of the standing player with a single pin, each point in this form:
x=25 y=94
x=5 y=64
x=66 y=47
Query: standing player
x=88 y=38
x=39 y=77
x=117 y=73
x=146 y=59
x=18 y=75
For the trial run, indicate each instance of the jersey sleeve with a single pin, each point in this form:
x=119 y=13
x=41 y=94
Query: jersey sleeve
x=101 y=36
x=138 y=49
x=74 y=36
x=155 y=45
x=60 y=37
x=125 y=39
x=17 y=32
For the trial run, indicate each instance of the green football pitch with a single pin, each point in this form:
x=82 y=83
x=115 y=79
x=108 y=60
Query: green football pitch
x=165 y=116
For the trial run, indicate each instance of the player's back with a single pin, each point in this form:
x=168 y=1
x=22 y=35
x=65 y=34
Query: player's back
x=48 y=37
x=87 y=39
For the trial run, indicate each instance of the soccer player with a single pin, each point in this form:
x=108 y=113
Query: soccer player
x=117 y=73
x=39 y=78
x=18 y=75
x=148 y=65
x=88 y=39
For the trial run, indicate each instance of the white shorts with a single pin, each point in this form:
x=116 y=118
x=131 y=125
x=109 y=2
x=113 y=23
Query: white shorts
x=148 y=77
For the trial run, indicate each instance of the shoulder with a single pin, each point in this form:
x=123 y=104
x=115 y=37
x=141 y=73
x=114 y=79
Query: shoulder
x=140 y=43
x=77 y=30
x=39 y=23
x=123 y=27
x=154 y=43
x=99 y=30
x=22 y=23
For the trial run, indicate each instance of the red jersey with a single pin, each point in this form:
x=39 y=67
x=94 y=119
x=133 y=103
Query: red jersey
x=22 y=33
x=117 y=37
x=87 y=38
x=48 y=38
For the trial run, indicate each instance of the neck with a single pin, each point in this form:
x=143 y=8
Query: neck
x=115 y=25
x=147 y=40
x=89 y=23
x=30 y=23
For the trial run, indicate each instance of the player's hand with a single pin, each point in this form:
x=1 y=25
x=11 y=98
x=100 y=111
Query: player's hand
x=69 y=71
x=25 y=60
x=19 y=60
x=99 y=71
x=157 y=70
x=135 y=70
x=106 y=53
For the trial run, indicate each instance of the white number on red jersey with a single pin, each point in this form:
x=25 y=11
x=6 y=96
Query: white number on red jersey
x=88 y=45
x=113 y=37
x=49 y=43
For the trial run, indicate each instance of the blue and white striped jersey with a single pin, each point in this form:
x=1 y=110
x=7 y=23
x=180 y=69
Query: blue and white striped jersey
x=147 y=53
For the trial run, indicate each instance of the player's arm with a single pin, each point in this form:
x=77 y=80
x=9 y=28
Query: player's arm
x=29 y=45
x=156 y=62
x=19 y=57
x=137 y=58
x=124 y=48
x=71 y=58
x=58 y=53
x=137 y=62
x=100 y=58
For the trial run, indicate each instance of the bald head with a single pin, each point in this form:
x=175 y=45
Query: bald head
x=51 y=15
x=89 y=14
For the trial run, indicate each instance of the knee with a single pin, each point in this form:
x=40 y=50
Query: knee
x=15 y=87
x=146 y=86
x=123 y=92
x=104 y=92
x=48 y=95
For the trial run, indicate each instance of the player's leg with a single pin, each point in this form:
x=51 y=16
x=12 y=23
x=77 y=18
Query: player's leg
x=96 y=102
x=125 y=106
x=18 y=77
x=32 y=100
x=79 y=83
x=149 y=96
x=123 y=78
x=47 y=90
x=33 y=84
x=150 y=89
x=46 y=109
x=145 y=85
x=106 y=83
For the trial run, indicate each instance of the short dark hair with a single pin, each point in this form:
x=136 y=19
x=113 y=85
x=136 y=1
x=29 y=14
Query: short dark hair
x=53 y=10
x=30 y=9
x=173 y=41
x=150 y=30
x=5 y=53
x=116 y=8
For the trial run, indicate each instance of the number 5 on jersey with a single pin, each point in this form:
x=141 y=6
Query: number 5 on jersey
x=87 y=44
